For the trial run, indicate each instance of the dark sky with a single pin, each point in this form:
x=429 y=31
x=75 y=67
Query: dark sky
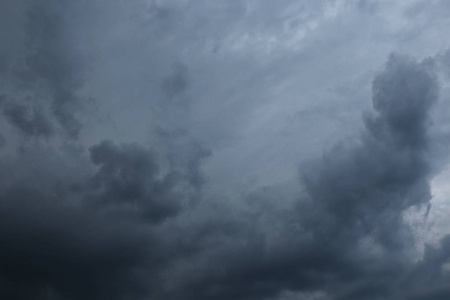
x=218 y=150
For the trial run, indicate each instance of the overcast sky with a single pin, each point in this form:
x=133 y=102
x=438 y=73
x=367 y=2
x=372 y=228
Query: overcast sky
x=218 y=150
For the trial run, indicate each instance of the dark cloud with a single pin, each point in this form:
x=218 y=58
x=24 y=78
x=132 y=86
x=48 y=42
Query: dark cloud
x=428 y=279
x=444 y=60
x=346 y=235
x=177 y=82
x=387 y=171
x=49 y=248
x=31 y=123
x=47 y=62
x=124 y=220
x=174 y=87
x=121 y=224
x=72 y=229
x=41 y=65
x=53 y=246
x=2 y=140
x=128 y=180
x=361 y=191
x=403 y=102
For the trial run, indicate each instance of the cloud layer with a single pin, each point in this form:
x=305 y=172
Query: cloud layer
x=167 y=154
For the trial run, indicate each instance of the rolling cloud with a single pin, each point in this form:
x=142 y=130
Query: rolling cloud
x=211 y=167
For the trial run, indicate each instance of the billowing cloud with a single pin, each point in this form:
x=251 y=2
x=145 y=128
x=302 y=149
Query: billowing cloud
x=129 y=180
x=345 y=234
x=228 y=157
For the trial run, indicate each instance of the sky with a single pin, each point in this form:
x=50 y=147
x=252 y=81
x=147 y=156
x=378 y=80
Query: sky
x=209 y=149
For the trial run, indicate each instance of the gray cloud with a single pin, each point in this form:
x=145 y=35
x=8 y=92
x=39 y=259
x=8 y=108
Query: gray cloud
x=175 y=83
x=128 y=179
x=33 y=123
x=40 y=67
x=346 y=235
x=46 y=62
x=429 y=278
x=150 y=209
x=51 y=249
x=364 y=190
x=72 y=226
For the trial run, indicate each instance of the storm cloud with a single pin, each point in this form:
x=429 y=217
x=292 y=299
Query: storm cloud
x=39 y=67
x=211 y=150
x=344 y=234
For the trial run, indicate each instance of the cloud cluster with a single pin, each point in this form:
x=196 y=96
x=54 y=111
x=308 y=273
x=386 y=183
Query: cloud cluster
x=345 y=234
x=117 y=220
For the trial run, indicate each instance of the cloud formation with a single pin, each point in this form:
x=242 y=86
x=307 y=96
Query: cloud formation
x=41 y=74
x=85 y=213
x=345 y=235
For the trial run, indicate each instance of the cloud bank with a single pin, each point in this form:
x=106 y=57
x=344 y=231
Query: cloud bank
x=167 y=154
